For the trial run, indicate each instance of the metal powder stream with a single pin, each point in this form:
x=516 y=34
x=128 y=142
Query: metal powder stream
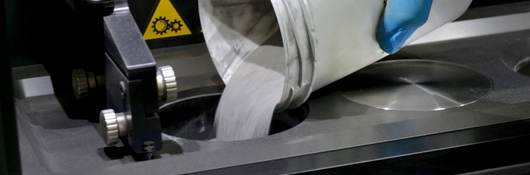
x=247 y=105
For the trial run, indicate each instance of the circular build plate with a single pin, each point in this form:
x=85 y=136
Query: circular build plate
x=417 y=85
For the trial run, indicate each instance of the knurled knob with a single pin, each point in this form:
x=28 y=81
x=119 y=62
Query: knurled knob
x=83 y=82
x=108 y=121
x=80 y=83
x=167 y=84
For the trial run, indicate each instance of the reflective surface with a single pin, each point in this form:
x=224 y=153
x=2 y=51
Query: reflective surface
x=193 y=118
x=417 y=85
x=523 y=66
x=190 y=118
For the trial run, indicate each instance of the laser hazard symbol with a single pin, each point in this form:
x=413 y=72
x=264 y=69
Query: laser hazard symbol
x=166 y=22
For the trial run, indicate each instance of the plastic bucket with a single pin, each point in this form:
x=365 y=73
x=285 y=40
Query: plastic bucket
x=322 y=40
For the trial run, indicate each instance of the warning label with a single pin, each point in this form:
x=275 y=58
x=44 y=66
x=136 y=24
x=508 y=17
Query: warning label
x=166 y=22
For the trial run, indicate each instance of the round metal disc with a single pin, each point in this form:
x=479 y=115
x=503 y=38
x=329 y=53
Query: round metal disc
x=417 y=85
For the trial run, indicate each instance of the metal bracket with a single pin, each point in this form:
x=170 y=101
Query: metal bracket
x=130 y=80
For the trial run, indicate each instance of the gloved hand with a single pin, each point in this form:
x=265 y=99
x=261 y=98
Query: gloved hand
x=399 y=21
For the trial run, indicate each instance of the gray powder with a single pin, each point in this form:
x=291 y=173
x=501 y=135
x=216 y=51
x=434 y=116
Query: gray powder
x=247 y=105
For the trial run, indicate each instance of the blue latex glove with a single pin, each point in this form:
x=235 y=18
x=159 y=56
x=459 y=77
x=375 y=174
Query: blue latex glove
x=399 y=21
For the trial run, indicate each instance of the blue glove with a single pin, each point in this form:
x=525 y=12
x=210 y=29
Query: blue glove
x=399 y=21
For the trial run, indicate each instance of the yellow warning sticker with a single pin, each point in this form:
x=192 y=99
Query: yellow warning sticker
x=166 y=22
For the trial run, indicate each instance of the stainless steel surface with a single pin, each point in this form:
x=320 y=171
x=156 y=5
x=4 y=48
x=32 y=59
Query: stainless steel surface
x=166 y=84
x=417 y=85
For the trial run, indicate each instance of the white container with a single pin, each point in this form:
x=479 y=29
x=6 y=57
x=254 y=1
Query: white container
x=323 y=40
